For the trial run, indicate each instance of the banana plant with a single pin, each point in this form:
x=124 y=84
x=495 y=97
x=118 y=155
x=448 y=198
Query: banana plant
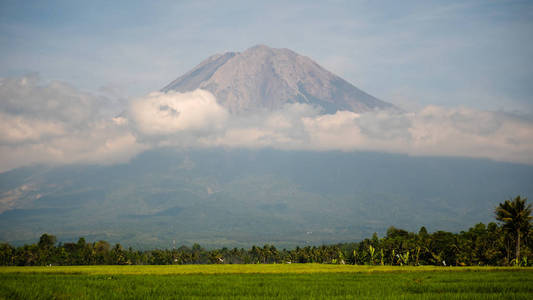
x=514 y=262
x=437 y=257
x=404 y=258
x=372 y=251
x=519 y=263
x=340 y=255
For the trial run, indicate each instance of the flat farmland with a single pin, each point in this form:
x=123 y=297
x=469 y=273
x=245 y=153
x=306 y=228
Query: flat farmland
x=306 y=281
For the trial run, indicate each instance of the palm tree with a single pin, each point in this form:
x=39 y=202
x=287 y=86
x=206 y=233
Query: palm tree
x=516 y=218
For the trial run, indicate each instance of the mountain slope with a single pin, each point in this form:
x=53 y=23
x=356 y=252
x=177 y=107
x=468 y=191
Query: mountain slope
x=266 y=78
x=242 y=197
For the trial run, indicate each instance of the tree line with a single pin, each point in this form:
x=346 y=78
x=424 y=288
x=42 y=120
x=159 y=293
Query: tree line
x=510 y=242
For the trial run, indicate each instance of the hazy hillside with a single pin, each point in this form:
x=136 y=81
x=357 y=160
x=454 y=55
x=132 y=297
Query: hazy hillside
x=241 y=197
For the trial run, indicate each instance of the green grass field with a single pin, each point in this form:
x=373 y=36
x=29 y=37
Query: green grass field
x=306 y=281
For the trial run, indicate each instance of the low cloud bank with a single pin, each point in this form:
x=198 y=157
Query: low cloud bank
x=431 y=131
x=55 y=123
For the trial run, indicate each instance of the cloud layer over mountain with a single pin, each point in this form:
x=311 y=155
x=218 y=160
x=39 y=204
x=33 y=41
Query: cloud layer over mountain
x=55 y=123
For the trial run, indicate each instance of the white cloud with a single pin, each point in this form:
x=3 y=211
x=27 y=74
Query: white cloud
x=56 y=124
x=432 y=130
x=17 y=129
x=167 y=113
x=472 y=133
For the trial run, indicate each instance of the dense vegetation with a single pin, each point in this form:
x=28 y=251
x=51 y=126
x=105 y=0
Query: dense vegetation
x=492 y=244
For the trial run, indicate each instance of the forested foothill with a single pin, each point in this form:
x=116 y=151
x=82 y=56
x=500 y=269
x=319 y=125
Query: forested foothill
x=508 y=242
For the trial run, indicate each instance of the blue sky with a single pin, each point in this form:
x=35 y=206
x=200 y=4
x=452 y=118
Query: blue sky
x=412 y=53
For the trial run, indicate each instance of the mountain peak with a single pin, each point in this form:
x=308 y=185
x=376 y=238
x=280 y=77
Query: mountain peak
x=262 y=77
x=260 y=47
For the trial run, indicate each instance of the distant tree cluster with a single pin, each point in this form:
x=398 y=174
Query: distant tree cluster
x=510 y=243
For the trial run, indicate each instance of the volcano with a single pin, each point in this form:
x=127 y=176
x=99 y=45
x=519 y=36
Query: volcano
x=264 y=78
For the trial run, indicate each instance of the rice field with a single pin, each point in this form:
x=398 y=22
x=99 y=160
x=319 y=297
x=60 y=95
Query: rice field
x=295 y=281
